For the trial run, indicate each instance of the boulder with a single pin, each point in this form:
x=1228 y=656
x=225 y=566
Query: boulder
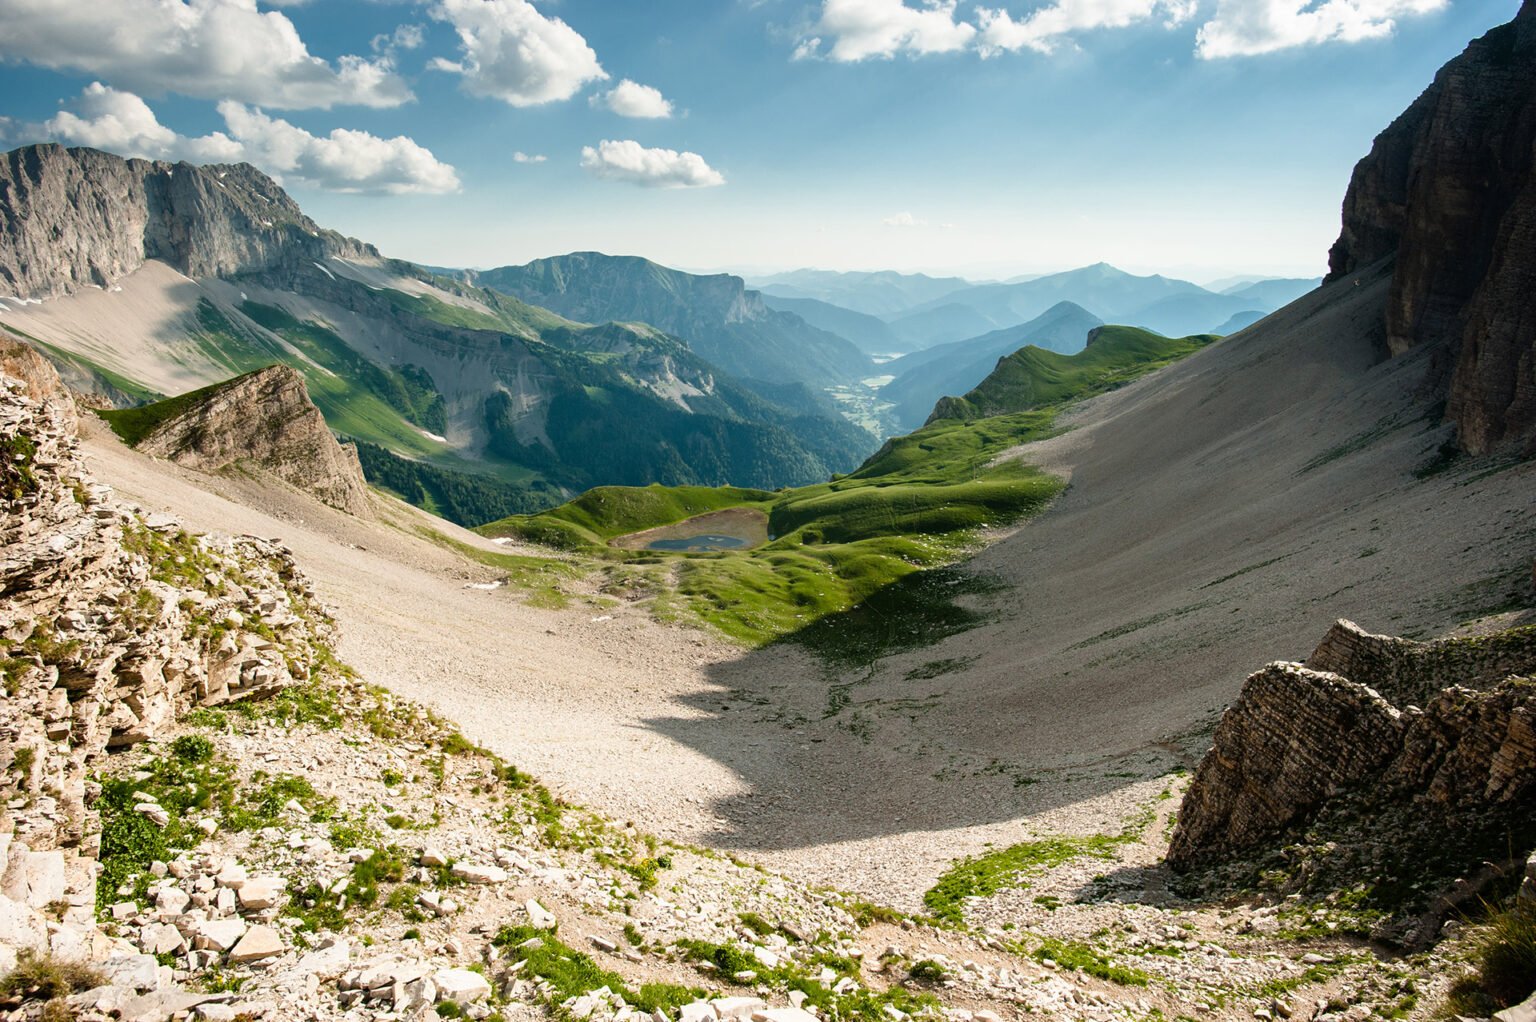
x=258 y=943
x=461 y=986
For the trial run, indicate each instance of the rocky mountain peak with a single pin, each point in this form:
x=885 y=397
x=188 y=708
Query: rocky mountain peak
x=264 y=418
x=79 y=217
x=1448 y=191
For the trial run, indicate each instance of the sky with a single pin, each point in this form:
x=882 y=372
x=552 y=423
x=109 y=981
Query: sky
x=1196 y=138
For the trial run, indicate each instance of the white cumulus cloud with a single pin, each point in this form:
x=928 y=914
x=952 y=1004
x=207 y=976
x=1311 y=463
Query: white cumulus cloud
x=511 y=52
x=650 y=168
x=343 y=161
x=521 y=157
x=1244 y=28
x=903 y=219
x=631 y=99
x=861 y=29
x=122 y=123
x=212 y=49
x=1044 y=28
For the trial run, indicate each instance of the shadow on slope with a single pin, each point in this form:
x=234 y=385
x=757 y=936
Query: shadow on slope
x=1220 y=515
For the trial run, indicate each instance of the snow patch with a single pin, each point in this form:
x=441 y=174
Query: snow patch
x=432 y=436
x=484 y=586
x=502 y=540
x=4 y=307
x=322 y=269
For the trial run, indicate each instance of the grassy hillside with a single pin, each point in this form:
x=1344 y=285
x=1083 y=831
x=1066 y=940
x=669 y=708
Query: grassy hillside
x=1033 y=377
x=134 y=424
x=917 y=504
x=856 y=566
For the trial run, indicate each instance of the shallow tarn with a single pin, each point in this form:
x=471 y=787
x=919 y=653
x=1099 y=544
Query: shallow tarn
x=735 y=528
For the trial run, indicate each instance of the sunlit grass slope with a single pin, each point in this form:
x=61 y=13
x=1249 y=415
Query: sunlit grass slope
x=920 y=503
x=916 y=504
x=1032 y=377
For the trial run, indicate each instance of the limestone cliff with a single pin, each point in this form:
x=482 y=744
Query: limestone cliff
x=78 y=217
x=265 y=419
x=1448 y=190
x=112 y=622
x=1370 y=753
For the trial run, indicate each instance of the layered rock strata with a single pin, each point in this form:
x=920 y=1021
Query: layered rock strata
x=1448 y=190
x=112 y=622
x=1444 y=732
x=264 y=418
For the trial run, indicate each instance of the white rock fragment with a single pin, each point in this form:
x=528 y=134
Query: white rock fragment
x=477 y=874
x=539 y=917
x=219 y=934
x=262 y=892
x=461 y=986
x=259 y=942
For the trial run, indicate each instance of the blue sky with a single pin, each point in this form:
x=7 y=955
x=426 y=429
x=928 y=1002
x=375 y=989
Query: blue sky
x=1191 y=137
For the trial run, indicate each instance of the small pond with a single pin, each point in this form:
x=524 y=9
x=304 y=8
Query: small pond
x=698 y=543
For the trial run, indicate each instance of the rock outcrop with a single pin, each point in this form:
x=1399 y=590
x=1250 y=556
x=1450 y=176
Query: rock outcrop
x=266 y=419
x=112 y=622
x=1449 y=191
x=74 y=218
x=1374 y=742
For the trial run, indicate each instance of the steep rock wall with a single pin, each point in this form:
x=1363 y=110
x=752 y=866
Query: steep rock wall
x=1448 y=189
x=1300 y=738
x=72 y=218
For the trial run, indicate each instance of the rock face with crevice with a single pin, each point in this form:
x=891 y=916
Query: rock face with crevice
x=1443 y=733
x=73 y=218
x=1448 y=190
x=265 y=419
x=112 y=623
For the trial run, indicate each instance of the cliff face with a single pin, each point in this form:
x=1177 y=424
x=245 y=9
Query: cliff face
x=1448 y=189
x=1373 y=750
x=265 y=418
x=112 y=622
x=79 y=217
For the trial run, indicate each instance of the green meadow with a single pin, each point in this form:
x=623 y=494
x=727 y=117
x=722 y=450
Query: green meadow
x=920 y=503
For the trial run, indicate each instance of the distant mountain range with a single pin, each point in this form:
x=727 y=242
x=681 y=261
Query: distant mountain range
x=721 y=320
x=920 y=311
x=884 y=293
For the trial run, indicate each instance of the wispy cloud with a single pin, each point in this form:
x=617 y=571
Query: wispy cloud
x=1245 y=28
x=854 y=30
x=903 y=219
